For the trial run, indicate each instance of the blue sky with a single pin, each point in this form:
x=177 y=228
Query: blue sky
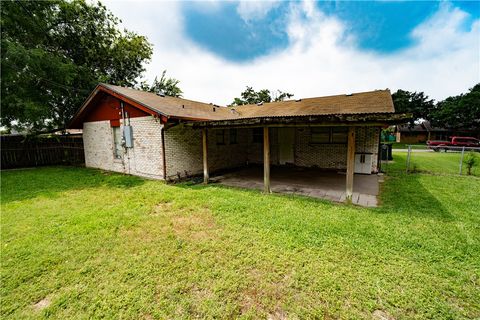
x=383 y=26
x=216 y=48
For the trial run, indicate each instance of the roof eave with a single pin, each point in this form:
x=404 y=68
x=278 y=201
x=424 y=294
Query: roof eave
x=310 y=120
x=73 y=124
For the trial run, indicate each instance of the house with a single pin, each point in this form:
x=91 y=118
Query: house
x=424 y=131
x=162 y=137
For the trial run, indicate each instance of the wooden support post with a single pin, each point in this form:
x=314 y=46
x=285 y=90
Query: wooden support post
x=205 y=155
x=350 y=163
x=266 y=160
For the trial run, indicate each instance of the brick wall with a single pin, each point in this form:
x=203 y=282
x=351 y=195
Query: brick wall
x=183 y=151
x=144 y=159
x=255 y=150
x=227 y=155
x=334 y=156
x=366 y=141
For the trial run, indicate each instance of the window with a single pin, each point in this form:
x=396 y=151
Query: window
x=329 y=135
x=339 y=135
x=320 y=135
x=257 y=135
x=117 y=141
x=233 y=136
x=220 y=136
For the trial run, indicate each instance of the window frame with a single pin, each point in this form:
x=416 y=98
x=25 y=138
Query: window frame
x=220 y=133
x=320 y=131
x=331 y=131
x=339 y=130
x=117 y=140
x=233 y=132
x=257 y=135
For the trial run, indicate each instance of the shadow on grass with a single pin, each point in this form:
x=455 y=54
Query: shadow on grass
x=401 y=194
x=50 y=181
x=406 y=194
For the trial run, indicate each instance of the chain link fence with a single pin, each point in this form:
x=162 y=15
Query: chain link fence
x=421 y=159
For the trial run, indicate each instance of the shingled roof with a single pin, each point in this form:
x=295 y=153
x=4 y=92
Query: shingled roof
x=171 y=106
x=379 y=101
x=372 y=102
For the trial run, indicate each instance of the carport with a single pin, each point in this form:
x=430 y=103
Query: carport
x=338 y=184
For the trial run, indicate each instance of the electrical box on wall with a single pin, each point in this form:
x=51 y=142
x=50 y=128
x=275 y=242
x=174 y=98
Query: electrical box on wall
x=128 y=136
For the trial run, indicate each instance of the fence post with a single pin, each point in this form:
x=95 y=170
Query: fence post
x=408 y=157
x=461 y=161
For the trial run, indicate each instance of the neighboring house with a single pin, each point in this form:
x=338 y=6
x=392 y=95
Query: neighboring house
x=424 y=131
x=170 y=138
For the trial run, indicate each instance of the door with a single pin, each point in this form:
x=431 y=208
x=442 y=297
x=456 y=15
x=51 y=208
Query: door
x=286 y=140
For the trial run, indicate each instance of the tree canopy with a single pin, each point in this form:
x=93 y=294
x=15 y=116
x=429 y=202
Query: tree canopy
x=462 y=111
x=250 y=96
x=167 y=86
x=55 y=52
x=456 y=112
x=416 y=103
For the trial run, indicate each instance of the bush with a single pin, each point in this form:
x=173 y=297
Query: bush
x=470 y=161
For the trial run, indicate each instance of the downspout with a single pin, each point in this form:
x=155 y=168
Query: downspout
x=126 y=151
x=164 y=161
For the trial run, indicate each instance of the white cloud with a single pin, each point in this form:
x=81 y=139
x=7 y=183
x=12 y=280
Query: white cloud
x=320 y=60
x=250 y=10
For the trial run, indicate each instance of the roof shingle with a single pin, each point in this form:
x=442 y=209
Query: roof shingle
x=379 y=101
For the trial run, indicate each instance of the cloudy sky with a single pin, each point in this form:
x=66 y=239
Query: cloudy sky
x=217 y=48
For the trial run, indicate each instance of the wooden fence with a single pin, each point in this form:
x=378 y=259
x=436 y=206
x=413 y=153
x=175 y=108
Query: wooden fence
x=32 y=151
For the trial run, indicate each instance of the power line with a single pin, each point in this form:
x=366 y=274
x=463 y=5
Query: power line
x=34 y=19
x=45 y=79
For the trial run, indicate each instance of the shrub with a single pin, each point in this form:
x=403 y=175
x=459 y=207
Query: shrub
x=471 y=160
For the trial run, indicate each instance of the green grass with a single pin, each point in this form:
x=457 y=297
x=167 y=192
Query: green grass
x=441 y=163
x=99 y=245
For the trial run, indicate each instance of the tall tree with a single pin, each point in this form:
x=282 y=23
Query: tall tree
x=459 y=112
x=167 y=86
x=55 y=52
x=416 y=103
x=250 y=96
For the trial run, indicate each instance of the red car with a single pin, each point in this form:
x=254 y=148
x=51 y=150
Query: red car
x=454 y=144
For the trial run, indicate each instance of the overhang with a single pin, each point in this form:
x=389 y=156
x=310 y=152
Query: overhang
x=369 y=119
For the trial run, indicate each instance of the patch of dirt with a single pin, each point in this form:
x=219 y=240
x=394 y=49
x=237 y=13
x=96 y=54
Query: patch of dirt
x=277 y=315
x=162 y=208
x=201 y=294
x=252 y=298
x=200 y=225
x=382 y=315
x=188 y=223
x=42 y=304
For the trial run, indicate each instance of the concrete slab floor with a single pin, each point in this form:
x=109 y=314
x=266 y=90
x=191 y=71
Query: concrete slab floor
x=310 y=182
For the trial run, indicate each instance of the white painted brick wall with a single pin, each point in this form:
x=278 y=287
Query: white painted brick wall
x=183 y=149
x=144 y=159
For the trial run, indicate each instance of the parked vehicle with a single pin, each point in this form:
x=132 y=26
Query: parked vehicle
x=453 y=144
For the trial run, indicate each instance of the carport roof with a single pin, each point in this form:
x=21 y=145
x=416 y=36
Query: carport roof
x=378 y=101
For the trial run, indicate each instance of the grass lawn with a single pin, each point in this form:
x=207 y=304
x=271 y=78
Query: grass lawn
x=443 y=163
x=81 y=243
